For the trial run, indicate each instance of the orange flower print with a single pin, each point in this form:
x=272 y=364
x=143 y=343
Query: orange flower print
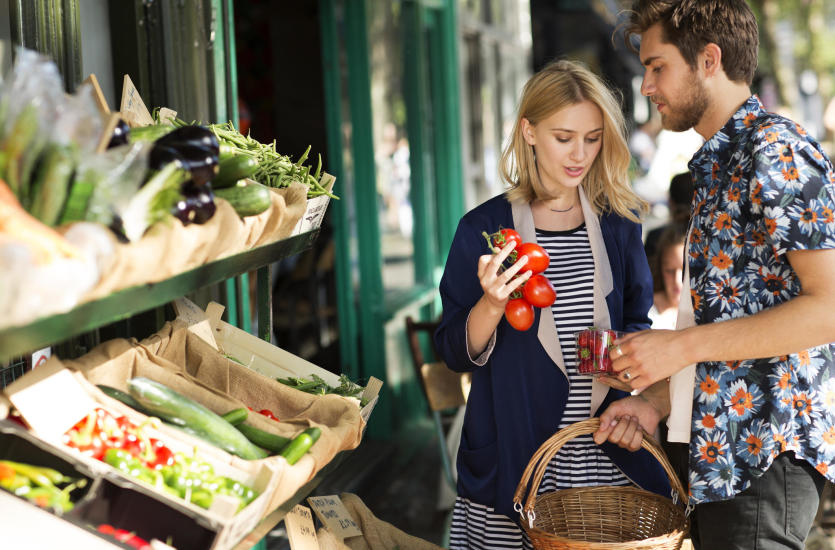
x=801 y=130
x=759 y=236
x=803 y=358
x=754 y=444
x=697 y=299
x=780 y=441
x=714 y=171
x=733 y=365
x=827 y=215
x=771 y=136
x=739 y=241
x=790 y=174
x=737 y=175
x=749 y=119
x=710 y=451
x=802 y=405
x=785 y=381
x=809 y=216
x=771 y=225
x=709 y=421
x=774 y=284
x=786 y=155
x=822 y=467
x=709 y=386
x=741 y=401
x=733 y=194
x=723 y=221
x=756 y=193
x=829 y=436
x=721 y=260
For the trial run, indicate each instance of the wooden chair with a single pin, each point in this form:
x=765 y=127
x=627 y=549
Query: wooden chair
x=443 y=389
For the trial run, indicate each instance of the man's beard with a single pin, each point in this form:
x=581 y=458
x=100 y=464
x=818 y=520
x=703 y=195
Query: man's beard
x=691 y=109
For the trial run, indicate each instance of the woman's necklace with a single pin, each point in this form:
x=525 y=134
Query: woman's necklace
x=557 y=210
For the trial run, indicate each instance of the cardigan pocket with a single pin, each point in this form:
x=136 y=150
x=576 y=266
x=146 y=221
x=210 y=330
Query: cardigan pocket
x=477 y=472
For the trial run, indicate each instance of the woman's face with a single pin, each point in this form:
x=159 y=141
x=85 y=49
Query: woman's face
x=566 y=144
x=671 y=267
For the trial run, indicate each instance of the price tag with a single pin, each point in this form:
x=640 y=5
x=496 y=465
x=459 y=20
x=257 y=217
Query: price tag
x=300 y=530
x=331 y=512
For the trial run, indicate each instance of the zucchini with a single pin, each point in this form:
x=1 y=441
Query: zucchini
x=235 y=416
x=125 y=398
x=248 y=198
x=178 y=409
x=271 y=442
x=300 y=445
x=232 y=168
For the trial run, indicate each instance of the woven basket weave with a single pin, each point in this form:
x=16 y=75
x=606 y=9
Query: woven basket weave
x=599 y=518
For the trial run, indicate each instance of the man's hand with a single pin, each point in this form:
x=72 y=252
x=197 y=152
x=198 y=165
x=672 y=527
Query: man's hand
x=622 y=422
x=642 y=358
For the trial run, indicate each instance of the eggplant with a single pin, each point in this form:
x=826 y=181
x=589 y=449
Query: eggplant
x=192 y=136
x=120 y=135
x=201 y=162
x=196 y=204
x=160 y=156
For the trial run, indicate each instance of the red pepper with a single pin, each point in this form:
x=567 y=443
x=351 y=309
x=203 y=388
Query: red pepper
x=125 y=536
x=269 y=414
x=86 y=436
x=163 y=455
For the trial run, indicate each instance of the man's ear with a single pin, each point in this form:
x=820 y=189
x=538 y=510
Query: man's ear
x=527 y=132
x=710 y=60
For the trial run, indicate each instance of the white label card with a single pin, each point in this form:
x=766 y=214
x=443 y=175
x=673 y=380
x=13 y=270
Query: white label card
x=300 y=530
x=331 y=512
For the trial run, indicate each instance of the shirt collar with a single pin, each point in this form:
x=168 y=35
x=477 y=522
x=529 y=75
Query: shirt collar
x=720 y=146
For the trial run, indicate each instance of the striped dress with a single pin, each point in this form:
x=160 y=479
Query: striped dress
x=580 y=462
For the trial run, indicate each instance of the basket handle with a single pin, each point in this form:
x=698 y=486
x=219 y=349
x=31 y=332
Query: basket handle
x=548 y=450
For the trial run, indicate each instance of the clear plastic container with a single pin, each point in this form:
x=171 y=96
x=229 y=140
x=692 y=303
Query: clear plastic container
x=593 y=346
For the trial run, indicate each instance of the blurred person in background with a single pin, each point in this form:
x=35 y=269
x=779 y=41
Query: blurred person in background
x=666 y=265
x=680 y=195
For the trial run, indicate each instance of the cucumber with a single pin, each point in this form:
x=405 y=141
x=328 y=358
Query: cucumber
x=248 y=198
x=125 y=398
x=51 y=184
x=271 y=442
x=300 y=445
x=235 y=416
x=232 y=168
x=178 y=409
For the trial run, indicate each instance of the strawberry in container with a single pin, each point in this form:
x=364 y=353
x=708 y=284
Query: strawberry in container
x=593 y=346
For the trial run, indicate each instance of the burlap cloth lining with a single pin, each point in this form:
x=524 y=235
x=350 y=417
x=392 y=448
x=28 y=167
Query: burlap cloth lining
x=170 y=248
x=376 y=534
x=187 y=364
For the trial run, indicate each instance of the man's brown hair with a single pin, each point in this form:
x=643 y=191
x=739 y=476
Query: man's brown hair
x=690 y=25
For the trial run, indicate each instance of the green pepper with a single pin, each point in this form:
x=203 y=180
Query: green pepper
x=202 y=498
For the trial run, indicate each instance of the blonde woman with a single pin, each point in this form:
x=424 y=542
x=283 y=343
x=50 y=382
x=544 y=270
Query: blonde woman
x=566 y=165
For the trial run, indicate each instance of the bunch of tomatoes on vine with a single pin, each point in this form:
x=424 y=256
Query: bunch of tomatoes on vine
x=537 y=291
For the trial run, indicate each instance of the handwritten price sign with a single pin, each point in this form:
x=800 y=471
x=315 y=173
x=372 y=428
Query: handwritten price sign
x=332 y=513
x=300 y=530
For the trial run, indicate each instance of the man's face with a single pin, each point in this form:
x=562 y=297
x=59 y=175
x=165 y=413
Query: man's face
x=670 y=83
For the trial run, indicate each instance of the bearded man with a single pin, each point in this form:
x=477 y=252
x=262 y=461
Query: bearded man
x=749 y=369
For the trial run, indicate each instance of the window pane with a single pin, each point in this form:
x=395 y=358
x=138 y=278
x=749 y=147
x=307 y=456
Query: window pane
x=391 y=144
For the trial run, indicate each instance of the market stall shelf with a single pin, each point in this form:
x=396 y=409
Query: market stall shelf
x=18 y=340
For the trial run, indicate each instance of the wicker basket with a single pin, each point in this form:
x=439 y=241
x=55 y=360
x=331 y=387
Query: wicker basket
x=599 y=518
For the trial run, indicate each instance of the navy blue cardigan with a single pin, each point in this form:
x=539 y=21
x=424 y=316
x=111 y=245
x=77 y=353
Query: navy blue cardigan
x=517 y=398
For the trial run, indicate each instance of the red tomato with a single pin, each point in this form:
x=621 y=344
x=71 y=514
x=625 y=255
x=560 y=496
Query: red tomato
x=519 y=313
x=538 y=291
x=504 y=236
x=538 y=259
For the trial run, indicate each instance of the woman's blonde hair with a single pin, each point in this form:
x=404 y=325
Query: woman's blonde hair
x=559 y=85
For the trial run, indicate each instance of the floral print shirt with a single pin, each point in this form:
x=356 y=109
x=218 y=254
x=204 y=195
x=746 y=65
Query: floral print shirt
x=763 y=187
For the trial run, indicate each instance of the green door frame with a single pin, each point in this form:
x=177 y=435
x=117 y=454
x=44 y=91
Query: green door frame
x=363 y=311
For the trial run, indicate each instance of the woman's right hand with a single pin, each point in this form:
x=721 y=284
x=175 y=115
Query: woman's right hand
x=498 y=285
